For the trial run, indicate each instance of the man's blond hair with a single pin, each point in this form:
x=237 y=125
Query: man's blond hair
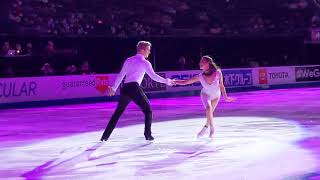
x=142 y=45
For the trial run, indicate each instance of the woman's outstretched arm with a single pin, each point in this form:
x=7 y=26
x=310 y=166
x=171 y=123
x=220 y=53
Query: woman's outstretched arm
x=188 y=81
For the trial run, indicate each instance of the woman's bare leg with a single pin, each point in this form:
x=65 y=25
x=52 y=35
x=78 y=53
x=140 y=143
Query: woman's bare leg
x=210 y=113
x=205 y=128
x=207 y=104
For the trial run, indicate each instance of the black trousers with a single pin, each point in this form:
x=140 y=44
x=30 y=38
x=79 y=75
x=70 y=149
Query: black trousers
x=131 y=91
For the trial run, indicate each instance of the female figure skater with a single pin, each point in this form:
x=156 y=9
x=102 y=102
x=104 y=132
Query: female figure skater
x=212 y=81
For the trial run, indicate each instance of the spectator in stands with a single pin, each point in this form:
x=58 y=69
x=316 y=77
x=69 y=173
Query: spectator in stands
x=85 y=68
x=18 y=50
x=70 y=17
x=47 y=70
x=253 y=62
x=5 y=49
x=28 y=49
x=182 y=63
x=315 y=21
x=71 y=70
x=50 y=49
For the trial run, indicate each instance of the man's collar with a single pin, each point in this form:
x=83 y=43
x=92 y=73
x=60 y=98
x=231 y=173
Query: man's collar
x=140 y=55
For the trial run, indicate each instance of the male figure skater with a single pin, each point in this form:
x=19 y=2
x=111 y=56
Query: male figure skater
x=133 y=69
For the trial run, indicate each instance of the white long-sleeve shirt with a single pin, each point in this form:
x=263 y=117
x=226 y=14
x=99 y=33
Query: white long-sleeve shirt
x=134 y=69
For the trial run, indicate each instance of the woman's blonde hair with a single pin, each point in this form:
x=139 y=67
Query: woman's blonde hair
x=212 y=65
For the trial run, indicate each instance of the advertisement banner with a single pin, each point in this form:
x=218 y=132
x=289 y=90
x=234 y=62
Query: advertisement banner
x=237 y=77
x=275 y=75
x=53 y=87
x=22 y=89
x=307 y=73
